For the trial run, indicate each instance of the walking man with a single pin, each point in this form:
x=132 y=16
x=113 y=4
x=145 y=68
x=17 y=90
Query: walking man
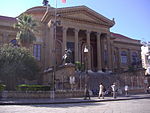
x=86 y=93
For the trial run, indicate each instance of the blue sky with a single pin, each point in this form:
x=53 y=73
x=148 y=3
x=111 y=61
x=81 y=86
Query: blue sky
x=132 y=17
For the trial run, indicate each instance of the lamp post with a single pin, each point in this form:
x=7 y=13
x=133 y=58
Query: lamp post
x=54 y=67
x=86 y=62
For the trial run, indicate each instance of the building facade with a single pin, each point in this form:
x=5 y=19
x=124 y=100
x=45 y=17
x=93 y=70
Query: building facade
x=146 y=57
x=75 y=28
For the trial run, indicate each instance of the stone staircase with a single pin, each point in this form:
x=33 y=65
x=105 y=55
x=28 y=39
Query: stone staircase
x=94 y=79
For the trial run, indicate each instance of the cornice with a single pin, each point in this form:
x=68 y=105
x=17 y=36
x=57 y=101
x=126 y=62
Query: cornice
x=85 y=21
x=134 y=44
x=85 y=8
x=82 y=21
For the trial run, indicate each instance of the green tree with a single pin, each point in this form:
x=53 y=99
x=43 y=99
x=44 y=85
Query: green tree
x=26 y=26
x=17 y=64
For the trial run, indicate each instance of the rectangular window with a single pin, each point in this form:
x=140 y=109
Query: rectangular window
x=148 y=49
x=70 y=45
x=37 y=51
x=123 y=59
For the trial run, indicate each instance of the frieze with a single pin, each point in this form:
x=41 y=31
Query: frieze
x=134 y=44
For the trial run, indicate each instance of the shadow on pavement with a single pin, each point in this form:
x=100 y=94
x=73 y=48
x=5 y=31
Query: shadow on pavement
x=67 y=105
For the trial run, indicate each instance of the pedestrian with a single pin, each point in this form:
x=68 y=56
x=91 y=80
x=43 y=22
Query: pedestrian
x=86 y=93
x=126 y=88
x=114 y=89
x=101 y=91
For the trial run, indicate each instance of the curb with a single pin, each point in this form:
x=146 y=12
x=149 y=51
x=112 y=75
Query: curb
x=70 y=102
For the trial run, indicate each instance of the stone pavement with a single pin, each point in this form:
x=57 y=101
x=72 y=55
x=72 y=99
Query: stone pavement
x=69 y=100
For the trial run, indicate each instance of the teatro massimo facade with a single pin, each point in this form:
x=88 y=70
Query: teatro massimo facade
x=76 y=28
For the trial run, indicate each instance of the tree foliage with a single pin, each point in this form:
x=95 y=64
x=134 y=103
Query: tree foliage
x=17 y=63
x=26 y=26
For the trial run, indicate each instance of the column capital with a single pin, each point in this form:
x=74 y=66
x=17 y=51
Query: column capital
x=98 y=34
x=64 y=28
x=108 y=35
x=76 y=29
x=88 y=31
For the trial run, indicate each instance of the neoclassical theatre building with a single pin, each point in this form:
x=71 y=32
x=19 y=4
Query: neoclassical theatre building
x=76 y=28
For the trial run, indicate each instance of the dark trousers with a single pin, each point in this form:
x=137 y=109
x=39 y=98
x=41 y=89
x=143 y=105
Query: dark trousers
x=114 y=94
x=86 y=95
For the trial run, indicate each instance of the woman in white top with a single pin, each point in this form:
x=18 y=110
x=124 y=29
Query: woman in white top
x=101 y=91
x=114 y=89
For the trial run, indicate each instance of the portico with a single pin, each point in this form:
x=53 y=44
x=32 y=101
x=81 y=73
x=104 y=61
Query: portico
x=76 y=39
x=80 y=27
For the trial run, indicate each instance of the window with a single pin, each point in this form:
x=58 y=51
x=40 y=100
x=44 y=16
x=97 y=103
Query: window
x=70 y=45
x=148 y=59
x=123 y=57
x=148 y=49
x=134 y=58
x=37 y=51
x=115 y=57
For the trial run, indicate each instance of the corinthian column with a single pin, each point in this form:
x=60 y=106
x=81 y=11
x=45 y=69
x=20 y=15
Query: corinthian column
x=109 y=54
x=64 y=42
x=99 y=65
x=76 y=45
x=89 y=50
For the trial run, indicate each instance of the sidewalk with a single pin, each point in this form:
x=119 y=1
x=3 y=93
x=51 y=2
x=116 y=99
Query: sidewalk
x=69 y=100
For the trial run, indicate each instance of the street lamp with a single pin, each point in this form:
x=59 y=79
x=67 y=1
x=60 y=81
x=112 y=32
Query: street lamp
x=86 y=62
x=85 y=53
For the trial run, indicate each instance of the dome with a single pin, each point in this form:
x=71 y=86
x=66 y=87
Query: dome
x=37 y=9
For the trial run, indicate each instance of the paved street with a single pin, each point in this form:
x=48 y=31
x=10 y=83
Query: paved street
x=126 y=106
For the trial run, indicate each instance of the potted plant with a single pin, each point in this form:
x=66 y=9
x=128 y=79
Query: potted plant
x=2 y=87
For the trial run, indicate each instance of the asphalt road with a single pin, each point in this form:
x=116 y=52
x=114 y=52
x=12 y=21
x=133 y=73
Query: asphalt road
x=126 y=106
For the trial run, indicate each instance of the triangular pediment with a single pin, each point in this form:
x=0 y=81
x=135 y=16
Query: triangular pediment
x=82 y=13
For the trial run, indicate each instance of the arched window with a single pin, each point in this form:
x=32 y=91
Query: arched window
x=123 y=57
x=134 y=58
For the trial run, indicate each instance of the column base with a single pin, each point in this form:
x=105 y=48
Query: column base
x=109 y=71
x=100 y=71
x=90 y=71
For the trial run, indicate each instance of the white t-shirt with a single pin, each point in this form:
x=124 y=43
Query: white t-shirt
x=101 y=87
x=113 y=87
x=126 y=88
x=72 y=80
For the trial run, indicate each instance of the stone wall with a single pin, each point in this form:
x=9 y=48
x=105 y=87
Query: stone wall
x=133 y=79
x=41 y=94
x=61 y=76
